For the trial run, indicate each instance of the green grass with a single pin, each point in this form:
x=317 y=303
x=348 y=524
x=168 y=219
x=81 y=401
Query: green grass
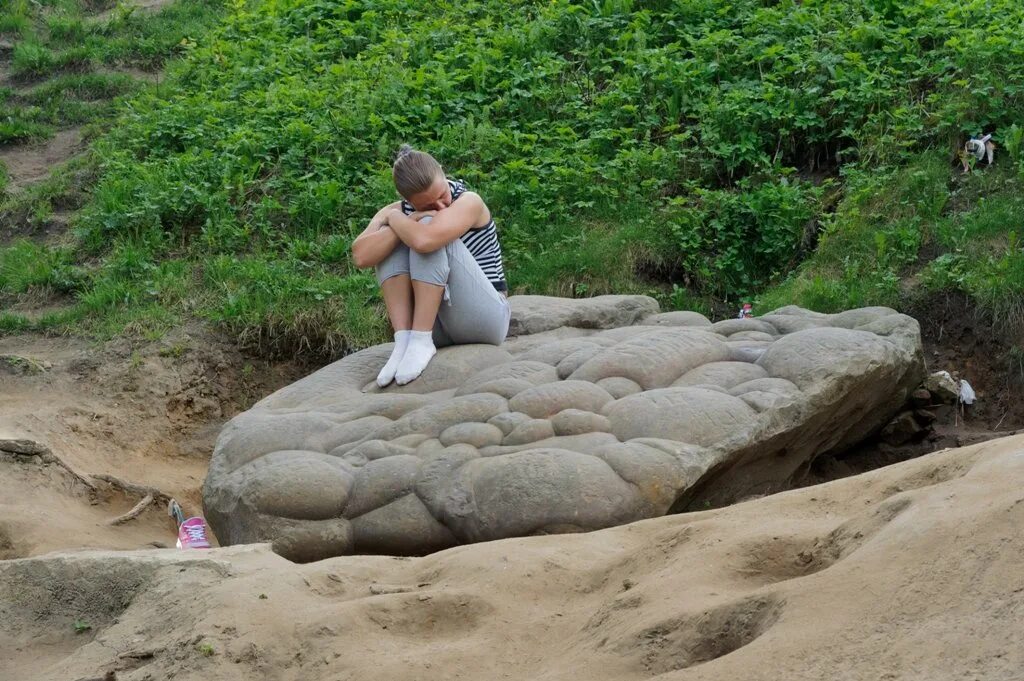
x=148 y=40
x=58 y=46
x=13 y=131
x=31 y=58
x=689 y=149
x=26 y=265
x=900 y=236
x=14 y=323
x=85 y=86
x=15 y=24
x=66 y=188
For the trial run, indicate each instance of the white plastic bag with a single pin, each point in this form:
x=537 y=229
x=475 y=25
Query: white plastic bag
x=967 y=395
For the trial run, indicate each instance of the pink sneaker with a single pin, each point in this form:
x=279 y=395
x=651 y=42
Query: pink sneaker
x=192 y=534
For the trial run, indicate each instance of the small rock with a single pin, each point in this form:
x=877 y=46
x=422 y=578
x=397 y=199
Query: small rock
x=924 y=417
x=901 y=429
x=23 y=447
x=942 y=387
x=920 y=398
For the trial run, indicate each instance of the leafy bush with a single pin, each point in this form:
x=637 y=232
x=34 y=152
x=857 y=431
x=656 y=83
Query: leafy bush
x=737 y=240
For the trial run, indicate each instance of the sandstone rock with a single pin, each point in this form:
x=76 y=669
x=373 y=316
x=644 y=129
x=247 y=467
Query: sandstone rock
x=942 y=387
x=23 y=447
x=533 y=314
x=921 y=397
x=601 y=412
x=901 y=429
x=924 y=416
x=679 y=318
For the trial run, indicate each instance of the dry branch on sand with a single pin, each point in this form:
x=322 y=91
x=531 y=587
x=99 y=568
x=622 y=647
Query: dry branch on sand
x=149 y=496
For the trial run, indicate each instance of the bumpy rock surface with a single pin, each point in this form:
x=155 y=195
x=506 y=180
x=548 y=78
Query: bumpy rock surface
x=599 y=413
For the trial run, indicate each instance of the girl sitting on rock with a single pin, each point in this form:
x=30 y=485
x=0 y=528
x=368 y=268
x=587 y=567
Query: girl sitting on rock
x=438 y=262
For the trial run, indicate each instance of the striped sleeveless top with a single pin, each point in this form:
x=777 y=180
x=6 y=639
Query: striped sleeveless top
x=481 y=242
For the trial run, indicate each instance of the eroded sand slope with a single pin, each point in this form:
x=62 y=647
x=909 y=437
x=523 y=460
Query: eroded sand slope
x=909 y=572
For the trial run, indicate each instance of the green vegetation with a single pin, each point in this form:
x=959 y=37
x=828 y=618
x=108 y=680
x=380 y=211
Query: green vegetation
x=25 y=265
x=61 y=35
x=76 y=43
x=684 y=148
x=901 y=235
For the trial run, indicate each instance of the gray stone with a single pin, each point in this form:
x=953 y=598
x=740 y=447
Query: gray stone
x=551 y=398
x=925 y=416
x=724 y=374
x=621 y=415
x=690 y=415
x=380 y=482
x=387 y=529
x=729 y=327
x=475 y=434
x=533 y=314
x=654 y=359
x=23 y=447
x=521 y=373
x=508 y=420
x=901 y=429
x=942 y=387
x=921 y=398
x=618 y=386
x=529 y=431
x=577 y=422
x=679 y=318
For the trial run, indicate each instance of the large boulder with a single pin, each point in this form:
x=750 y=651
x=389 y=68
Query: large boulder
x=605 y=413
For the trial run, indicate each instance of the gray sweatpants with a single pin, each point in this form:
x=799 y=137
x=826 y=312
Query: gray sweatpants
x=472 y=311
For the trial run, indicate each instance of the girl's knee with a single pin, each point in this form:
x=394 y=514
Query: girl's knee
x=432 y=268
x=395 y=264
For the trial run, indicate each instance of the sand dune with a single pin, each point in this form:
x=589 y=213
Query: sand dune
x=909 y=572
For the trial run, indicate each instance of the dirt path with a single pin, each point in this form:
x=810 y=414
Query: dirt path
x=30 y=163
x=139 y=6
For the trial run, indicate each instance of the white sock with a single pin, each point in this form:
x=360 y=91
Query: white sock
x=387 y=374
x=417 y=356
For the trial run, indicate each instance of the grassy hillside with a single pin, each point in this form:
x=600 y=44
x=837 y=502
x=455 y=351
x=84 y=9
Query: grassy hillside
x=691 y=149
x=68 y=58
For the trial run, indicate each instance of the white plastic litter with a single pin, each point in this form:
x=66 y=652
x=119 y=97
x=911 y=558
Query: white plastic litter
x=967 y=395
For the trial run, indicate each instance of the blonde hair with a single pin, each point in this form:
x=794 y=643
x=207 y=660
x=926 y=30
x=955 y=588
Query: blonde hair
x=414 y=171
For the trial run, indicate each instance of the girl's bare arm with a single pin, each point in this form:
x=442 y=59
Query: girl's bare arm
x=376 y=241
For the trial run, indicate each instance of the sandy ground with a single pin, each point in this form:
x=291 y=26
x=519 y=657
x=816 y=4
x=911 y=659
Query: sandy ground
x=146 y=413
x=908 y=572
